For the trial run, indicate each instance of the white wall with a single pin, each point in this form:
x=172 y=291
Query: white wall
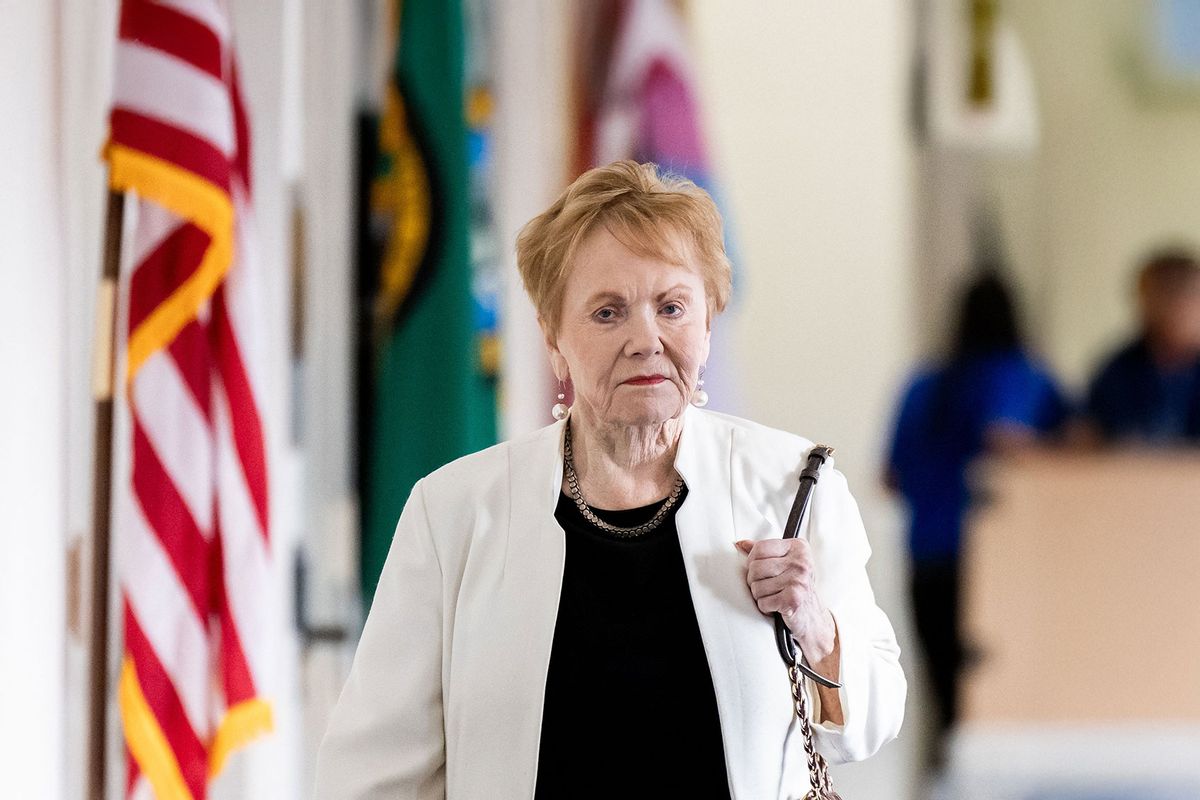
x=533 y=66
x=331 y=85
x=33 y=309
x=807 y=108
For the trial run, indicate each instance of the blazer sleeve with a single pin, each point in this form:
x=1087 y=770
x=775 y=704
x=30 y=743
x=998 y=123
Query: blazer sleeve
x=873 y=683
x=386 y=736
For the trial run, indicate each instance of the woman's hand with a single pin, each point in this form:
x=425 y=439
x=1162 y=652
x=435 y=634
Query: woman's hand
x=780 y=573
x=781 y=578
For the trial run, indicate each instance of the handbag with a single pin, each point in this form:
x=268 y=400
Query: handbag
x=793 y=658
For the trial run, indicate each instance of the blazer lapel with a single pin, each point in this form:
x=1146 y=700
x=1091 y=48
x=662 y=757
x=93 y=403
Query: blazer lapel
x=749 y=681
x=706 y=536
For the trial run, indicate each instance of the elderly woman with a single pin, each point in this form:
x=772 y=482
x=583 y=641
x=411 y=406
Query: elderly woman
x=586 y=611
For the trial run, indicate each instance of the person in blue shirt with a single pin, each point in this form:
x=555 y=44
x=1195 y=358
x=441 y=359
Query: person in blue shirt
x=988 y=394
x=1149 y=390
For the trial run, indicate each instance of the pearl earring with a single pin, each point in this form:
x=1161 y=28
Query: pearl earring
x=699 y=396
x=560 y=409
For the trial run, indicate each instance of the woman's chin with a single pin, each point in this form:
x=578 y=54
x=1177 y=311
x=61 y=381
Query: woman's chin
x=640 y=414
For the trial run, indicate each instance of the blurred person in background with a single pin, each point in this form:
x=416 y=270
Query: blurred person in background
x=1149 y=390
x=586 y=611
x=988 y=395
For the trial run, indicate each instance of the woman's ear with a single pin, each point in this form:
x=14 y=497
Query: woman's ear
x=557 y=362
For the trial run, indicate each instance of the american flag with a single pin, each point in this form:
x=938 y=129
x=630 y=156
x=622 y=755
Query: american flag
x=190 y=520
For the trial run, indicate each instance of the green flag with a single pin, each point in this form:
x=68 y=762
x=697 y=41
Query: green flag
x=429 y=399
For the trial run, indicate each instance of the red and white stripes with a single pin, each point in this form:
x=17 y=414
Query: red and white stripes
x=192 y=520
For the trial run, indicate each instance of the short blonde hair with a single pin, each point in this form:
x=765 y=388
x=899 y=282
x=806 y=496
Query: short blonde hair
x=650 y=213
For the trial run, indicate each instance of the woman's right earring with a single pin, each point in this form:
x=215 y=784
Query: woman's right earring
x=561 y=409
x=699 y=396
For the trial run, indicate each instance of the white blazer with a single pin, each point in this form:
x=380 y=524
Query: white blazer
x=444 y=699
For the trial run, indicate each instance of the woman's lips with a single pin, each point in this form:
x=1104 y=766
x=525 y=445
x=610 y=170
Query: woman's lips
x=645 y=380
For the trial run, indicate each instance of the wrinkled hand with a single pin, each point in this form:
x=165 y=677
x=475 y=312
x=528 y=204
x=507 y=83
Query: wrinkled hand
x=781 y=577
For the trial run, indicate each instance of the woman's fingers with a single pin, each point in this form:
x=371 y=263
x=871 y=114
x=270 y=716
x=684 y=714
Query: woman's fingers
x=771 y=557
x=797 y=564
x=769 y=548
x=778 y=572
x=764 y=587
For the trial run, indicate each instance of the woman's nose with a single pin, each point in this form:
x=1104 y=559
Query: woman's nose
x=644 y=336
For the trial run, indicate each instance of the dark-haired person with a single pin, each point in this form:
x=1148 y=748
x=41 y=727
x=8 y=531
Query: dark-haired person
x=989 y=393
x=1149 y=390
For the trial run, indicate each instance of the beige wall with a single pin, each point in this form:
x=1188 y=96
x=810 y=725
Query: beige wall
x=807 y=115
x=1117 y=172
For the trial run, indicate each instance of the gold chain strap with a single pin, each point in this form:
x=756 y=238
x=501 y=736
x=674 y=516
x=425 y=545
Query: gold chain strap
x=818 y=770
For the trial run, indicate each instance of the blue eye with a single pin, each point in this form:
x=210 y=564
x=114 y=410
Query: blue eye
x=673 y=309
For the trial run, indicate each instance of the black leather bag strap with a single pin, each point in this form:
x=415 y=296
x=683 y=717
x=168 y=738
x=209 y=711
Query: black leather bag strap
x=821 y=786
x=788 y=651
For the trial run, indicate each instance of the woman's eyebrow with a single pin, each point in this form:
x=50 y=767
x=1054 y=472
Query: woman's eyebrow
x=617 y=298
x=679 y=288
x=605 y=297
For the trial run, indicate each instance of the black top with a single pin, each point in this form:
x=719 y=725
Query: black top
x=629 y=710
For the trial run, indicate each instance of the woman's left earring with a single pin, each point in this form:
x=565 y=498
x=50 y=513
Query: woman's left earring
x=561 y=409
x=699 y=396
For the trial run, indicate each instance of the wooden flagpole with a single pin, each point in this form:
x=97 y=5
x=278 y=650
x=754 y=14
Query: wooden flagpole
x=104 y=383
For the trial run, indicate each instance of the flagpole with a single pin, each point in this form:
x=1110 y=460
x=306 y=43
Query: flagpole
x=103 y=384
